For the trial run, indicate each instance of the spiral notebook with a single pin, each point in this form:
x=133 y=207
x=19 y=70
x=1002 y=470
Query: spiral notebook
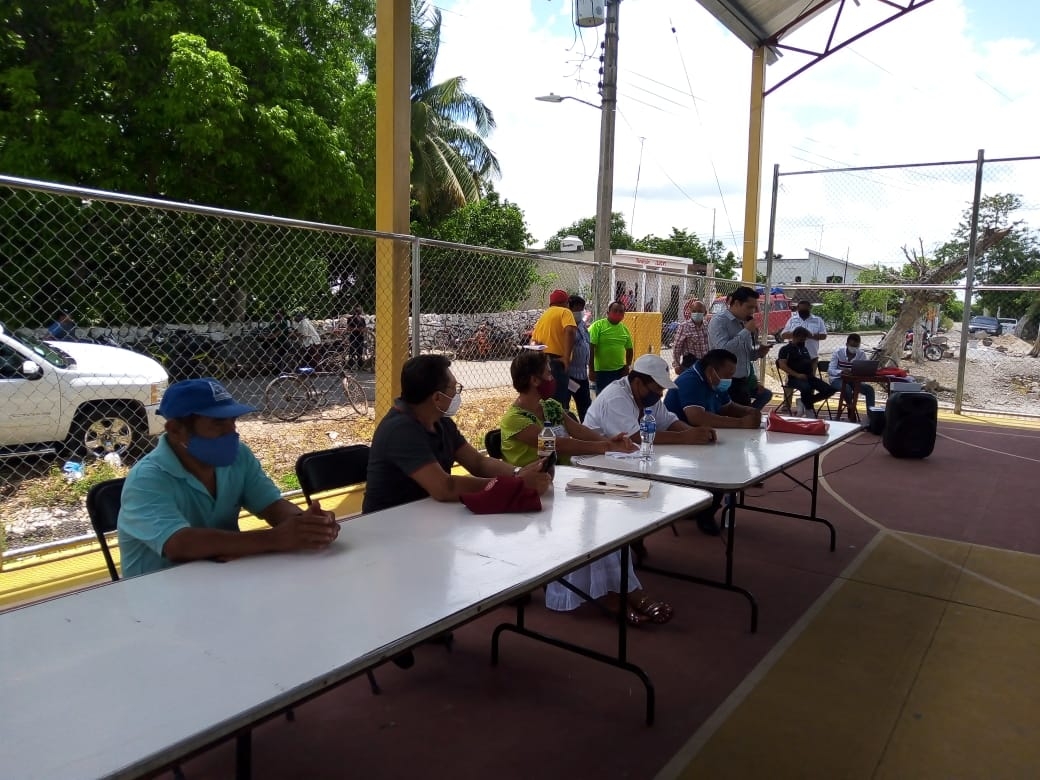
x=611 y=486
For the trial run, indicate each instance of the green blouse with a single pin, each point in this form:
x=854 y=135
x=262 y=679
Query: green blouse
x=516 y=419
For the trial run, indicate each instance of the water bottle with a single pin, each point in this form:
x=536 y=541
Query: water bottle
x=546 y=442
x=647 y=431
x=73 y=471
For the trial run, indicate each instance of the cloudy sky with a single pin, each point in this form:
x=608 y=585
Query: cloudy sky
x=933 y=87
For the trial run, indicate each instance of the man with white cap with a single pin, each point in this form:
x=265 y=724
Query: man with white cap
x=619 y=407
x=181 y=502
x=621 y=404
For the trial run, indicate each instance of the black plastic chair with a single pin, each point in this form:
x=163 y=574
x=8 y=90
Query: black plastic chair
x=493 y=443
x=821 y=369
x=338 y=467
x=103 y=503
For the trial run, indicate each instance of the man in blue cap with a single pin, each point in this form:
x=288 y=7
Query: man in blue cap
x=181 y=502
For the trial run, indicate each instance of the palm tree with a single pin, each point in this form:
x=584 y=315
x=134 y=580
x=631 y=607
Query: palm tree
x=450 y=161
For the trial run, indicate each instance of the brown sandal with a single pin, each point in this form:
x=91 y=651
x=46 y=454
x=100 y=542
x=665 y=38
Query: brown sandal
x=657 y=611
x=633 y=616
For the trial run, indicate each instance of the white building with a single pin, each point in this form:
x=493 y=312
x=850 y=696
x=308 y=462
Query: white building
x=817 y=268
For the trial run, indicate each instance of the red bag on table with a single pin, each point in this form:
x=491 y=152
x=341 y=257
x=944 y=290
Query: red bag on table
x=504 y=494
x=780 y=424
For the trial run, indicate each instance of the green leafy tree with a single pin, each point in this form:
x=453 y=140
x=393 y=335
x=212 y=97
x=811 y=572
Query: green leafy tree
x=585 y=229
x=837 y=311
x=880 y=303
x=461 y=281
x=1010 y=261
x=726 y=268
x=254 y=106
x=678 y=244
x=258 y=107
x=451 y=163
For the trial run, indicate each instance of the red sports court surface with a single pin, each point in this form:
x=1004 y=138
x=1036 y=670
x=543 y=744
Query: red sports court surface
x=910 y=651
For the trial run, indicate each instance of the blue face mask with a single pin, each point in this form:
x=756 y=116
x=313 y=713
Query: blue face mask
x=723 y=385
x=220 y=451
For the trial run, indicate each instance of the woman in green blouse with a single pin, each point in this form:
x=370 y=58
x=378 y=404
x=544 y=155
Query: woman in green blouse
x=533 y=408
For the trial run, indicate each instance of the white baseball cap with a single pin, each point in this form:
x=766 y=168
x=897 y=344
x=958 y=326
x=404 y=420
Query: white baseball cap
x=655 y=367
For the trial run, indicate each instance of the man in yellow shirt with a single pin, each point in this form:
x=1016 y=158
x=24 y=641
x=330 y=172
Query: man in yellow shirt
x=556 y=329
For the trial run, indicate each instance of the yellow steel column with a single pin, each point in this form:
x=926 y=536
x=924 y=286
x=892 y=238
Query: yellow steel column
x=756 y=119
x=393 y=258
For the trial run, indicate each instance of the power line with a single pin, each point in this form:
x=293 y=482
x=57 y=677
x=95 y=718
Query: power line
x=689 y=85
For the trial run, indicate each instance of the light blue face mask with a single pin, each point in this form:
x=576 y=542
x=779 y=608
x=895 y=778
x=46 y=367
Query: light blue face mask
x=723 y=385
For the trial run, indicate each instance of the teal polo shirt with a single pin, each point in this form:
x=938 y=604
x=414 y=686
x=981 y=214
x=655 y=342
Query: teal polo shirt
x=160 y=498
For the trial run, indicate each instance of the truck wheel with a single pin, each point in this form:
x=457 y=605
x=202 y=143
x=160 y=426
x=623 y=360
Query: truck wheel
x=106 y=428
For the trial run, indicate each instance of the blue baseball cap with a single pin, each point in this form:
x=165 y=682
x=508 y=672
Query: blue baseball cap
x=205 y=397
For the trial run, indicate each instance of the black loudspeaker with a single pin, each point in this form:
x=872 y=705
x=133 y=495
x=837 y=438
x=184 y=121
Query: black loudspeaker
x=910 y=423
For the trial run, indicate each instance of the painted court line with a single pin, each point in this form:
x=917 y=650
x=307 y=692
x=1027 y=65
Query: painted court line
x=686 y=754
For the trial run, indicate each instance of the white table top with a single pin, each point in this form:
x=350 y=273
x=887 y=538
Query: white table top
x=122 y=678
x=737 y=460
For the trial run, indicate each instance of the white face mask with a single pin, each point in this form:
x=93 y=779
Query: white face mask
x=453 y=405
x=697 y=316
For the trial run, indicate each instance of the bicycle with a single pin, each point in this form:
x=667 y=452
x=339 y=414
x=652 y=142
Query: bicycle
x=884 y=361
x=288 y=396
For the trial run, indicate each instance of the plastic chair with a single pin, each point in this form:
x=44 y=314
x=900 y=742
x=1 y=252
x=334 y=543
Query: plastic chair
x=334 y=468
x=821 y=369
x=493 y=443
x=789 y=391
x=786 y=391
x=103 y=503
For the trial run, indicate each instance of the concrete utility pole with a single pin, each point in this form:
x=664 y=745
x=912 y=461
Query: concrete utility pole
x=605 y=188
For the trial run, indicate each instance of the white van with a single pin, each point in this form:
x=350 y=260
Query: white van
x=85 y=400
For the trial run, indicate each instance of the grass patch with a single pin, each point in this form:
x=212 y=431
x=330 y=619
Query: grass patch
x=52 y=489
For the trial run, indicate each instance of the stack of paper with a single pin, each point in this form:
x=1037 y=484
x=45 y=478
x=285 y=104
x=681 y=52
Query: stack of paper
x=609 y=485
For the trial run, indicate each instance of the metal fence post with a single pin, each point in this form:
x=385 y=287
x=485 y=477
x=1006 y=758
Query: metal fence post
x=969 y=280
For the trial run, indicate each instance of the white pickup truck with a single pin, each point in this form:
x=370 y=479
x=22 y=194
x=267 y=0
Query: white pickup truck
x=85 y=400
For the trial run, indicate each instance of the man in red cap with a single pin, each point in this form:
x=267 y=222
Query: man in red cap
x=557 y=330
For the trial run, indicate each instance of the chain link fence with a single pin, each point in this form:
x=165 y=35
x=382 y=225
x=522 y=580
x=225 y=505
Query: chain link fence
x=108 y=299
x=846 y=239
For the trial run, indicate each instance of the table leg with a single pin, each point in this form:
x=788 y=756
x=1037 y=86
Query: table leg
x=244 y=756
x=620 y=661
x=729 y=517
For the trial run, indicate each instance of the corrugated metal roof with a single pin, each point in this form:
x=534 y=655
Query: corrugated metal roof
x=761 y=22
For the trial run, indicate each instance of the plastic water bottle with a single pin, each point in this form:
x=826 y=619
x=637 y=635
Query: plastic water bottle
x=647 y=431
x=73 y=471
x=546 y=442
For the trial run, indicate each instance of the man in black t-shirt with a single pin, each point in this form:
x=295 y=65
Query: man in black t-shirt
x=795 y=361
x=417 y=443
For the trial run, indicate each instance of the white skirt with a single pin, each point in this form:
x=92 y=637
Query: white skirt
x=597 y=579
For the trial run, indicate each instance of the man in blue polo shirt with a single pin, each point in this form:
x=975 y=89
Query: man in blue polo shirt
x=181 y=501
x=700 y=396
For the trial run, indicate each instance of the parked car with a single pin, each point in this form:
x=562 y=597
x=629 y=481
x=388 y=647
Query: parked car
x=85 y=400
x=989 y=325
x=1010 y=324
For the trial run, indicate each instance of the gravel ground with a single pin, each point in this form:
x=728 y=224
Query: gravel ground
x=999 y=377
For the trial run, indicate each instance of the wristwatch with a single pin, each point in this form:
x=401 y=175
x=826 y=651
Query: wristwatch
x=516 y=471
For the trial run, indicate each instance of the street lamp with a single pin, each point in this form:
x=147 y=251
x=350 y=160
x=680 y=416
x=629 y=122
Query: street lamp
x=552 y=97
x=605 y=185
